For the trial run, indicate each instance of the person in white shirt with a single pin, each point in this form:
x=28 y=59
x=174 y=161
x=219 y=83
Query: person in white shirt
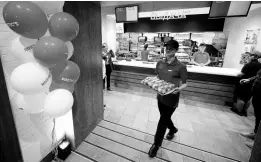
x=103 y=74
x=103 y=71
x=107 y=56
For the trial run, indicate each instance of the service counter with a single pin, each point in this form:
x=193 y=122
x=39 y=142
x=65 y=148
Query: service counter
x=206 y=84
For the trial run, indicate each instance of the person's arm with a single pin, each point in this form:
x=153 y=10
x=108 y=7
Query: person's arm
x=242 y=81
x=258 y=74
x=112 y=54
x=183 y=75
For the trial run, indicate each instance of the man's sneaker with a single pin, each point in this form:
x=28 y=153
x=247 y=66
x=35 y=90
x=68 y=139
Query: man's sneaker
x=249 y=135
x=171 y=134
x=153 y=151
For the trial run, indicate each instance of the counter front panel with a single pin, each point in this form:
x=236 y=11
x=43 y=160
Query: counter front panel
x=211 y=86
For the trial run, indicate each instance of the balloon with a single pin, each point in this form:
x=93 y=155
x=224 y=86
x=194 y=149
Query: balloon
x=50 y=7
x=70 y=75
x=22 y=48
x=70 y=49
x=58 y=103
x=34 y=103
x=31 y=78
x=54 y=86
x=69 y=87
x=63 y=26
x=30 y=103
x=58 y=69
x=25 y=18
x=24 y=123
x=47 y=34
x=50 y=51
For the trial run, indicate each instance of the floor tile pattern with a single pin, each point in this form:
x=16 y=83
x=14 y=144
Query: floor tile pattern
x=207 y=132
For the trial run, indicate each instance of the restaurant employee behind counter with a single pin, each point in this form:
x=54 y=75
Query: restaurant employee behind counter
x=201 y=58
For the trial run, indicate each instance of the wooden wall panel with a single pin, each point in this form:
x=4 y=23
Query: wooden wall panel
x=88 y=106
x=206 y=91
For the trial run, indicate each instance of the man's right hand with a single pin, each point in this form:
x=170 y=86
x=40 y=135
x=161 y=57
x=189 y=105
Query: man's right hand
x=243 y=81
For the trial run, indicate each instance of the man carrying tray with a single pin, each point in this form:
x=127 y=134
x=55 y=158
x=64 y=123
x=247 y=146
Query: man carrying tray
x=173 y=71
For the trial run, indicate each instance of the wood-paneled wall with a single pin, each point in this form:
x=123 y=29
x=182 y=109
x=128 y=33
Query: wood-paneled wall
x=88 y=95
x=204 y=88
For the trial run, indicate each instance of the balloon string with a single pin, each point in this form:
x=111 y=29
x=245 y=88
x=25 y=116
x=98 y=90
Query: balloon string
x=54 y=140
x=53 y=132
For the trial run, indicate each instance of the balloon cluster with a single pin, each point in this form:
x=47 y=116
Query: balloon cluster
x=46 y=78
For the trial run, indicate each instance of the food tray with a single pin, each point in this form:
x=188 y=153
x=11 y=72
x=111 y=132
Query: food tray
x=160 y=86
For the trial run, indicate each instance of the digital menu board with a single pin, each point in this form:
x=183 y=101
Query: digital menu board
x=126 y=14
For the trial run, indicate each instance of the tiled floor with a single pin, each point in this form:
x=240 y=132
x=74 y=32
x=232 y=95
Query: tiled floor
x=204 y=126
x=206 y=132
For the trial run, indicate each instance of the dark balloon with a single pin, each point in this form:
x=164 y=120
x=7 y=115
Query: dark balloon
x=67 y=86
x=26 y=19
x=58 y=69
x=53 y=86
x=63 y=26
x=70 y=74
x=50 y=51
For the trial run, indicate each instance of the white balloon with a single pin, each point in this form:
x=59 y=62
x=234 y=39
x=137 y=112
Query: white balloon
x=31 y=78
x=29 y=103
x=24 y=123
x=18 y=102
x=34 y=103
x=58 y=103
x=22 y=48
x=50 y=7
x=70 y=49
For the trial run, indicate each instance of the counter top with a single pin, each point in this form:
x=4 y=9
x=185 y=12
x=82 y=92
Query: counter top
x=190 y=68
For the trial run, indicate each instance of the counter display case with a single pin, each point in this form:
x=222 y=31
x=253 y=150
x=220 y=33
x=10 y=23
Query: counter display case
x=130 y=45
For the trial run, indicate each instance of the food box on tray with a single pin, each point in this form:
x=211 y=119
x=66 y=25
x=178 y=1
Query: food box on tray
x=160 y=86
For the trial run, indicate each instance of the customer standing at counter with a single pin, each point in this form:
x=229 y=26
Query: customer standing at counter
x=145 y=53
x=201 y=58
x=109 y=65
x=242 y=94
x=170 y=70
x=256 y=102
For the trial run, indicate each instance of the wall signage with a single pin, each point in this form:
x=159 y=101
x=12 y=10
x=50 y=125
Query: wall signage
x=168 y=15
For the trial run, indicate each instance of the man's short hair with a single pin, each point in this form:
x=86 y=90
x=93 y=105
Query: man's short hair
x=172 y=45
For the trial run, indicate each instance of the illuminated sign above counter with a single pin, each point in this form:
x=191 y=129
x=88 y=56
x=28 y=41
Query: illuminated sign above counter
x=190 y=11
x=175 y=13
x=168 y=15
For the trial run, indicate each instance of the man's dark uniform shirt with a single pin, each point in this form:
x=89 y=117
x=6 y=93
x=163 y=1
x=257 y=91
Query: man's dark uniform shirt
x=175 y=72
